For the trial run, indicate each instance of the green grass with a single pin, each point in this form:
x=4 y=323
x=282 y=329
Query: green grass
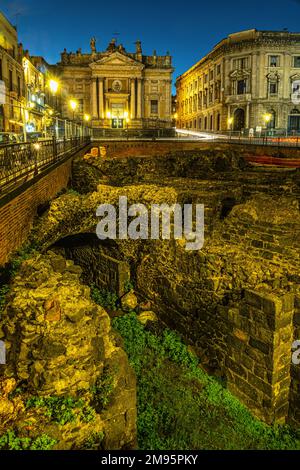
x=180 y=407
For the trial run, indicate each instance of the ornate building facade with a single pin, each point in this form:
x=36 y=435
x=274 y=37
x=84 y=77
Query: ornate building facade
x=251 y=79
x=118 y=89
x=12 y=91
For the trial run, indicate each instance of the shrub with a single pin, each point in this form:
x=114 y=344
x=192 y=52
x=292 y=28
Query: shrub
x=104 y=298
x=103 y=389
x=63 y=410
x=10 y=441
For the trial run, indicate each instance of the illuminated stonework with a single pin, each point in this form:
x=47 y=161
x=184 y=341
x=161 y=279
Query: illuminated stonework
x=117 y=88
x=246 y=77
x=11 y=78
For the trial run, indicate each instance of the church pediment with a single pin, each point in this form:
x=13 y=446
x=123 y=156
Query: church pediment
x=116 y=59
x=239 y=74
x=296 y=76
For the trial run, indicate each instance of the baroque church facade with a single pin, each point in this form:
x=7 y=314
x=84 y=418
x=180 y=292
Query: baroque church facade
x=116 y=88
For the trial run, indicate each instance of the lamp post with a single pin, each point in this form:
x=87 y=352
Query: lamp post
x=87 y=118
x=53 y=85
x=73 y=105
x=230 y=122
x=267 y=118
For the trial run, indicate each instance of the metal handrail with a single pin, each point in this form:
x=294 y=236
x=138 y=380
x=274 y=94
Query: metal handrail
x=22 y=162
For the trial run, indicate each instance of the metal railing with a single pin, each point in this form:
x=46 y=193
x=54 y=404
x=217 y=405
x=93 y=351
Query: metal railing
x=236 y=137
x=22 y=162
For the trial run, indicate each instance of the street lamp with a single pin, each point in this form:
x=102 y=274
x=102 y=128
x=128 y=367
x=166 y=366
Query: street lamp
x=86 y=119
x=53 y=85
x=73 y=105
x=230 y=122
x=267 y=118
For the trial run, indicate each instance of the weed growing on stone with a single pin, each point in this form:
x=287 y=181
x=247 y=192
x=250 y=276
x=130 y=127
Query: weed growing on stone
x=11 y=269
x=182 y=407
x=63 y=410
x=3 y=292
x=128 y=286
x=103 y=389
x=72 y=192
x=94 y=441
x=104 y=298
x=10 y=441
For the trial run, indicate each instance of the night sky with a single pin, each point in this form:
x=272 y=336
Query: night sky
x=189 y=29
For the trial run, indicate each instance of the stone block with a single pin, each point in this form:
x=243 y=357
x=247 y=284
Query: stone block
x=256 y=344
x=260 y=384
x=241 y=335
x=288 y=302
x=253 y=298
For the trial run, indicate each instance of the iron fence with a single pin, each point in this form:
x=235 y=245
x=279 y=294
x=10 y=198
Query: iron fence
x=235 y=137
x=21 y=162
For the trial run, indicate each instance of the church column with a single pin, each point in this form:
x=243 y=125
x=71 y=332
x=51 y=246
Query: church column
x=139 y=98
x=132 y=99
x=94 y=99
x=101 y=98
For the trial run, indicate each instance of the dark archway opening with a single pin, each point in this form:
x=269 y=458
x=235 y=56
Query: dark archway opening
x=226 y=207
x=238 y=119
x=102 y=262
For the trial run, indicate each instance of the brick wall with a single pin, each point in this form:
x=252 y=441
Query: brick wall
x=140 y=148
x=18 y=211
x=294 y=410
x=258 y=362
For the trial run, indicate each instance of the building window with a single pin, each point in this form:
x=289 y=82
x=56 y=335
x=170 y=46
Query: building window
x=297 y=61
x=240 y=64
x=211 y=75
x=80 y=106
x=10 y=83
x=273 y=88
x=19 y=86
x=200 y=100
x=241 y=87
x=205 y=123
x=218 y=69
x=273 y=61
x=211 y=123
x=296 y=86
x=154 y=107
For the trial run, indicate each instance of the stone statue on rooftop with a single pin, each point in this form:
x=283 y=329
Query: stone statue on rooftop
x=93 y=45
x=111 y=45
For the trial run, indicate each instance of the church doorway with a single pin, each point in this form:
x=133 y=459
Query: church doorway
x=117 y=114
x=238 y=119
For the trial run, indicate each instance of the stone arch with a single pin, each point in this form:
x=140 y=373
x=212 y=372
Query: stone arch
x=102 y=261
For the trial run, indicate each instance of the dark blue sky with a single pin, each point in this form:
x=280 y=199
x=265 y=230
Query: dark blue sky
x=188 y=29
